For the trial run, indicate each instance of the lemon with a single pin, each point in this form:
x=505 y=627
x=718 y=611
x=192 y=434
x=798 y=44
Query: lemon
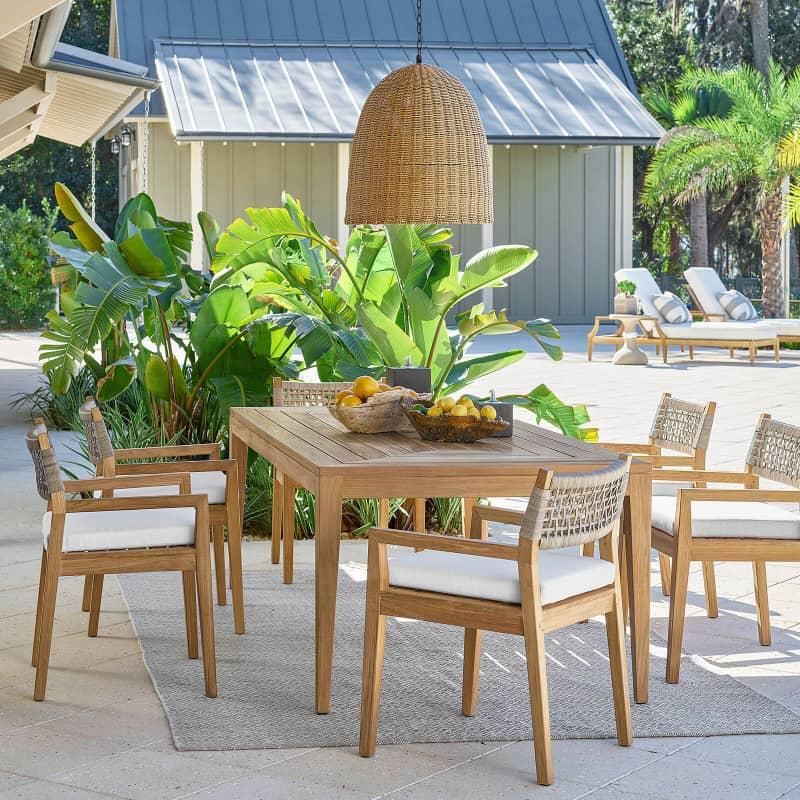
x=459 y=411
x=435 y=411
x=351 y=401
x=446 y=404
x=474 y=413
x=341 y=395
x=384 y=387
x=465 y=401
x=489 y=412
x=365 y=386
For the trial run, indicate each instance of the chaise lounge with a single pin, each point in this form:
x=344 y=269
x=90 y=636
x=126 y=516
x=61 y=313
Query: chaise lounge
x=750 y=336
x=705 y=287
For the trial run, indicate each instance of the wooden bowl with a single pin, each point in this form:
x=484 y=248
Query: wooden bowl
x=382 y=413
x=450 y=429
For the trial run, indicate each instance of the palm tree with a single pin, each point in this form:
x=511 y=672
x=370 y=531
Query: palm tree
x=747 y=145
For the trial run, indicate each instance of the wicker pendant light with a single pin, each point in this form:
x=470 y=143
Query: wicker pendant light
x=419 y=153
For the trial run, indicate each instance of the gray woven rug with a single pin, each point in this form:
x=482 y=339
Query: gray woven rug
x=266 y=677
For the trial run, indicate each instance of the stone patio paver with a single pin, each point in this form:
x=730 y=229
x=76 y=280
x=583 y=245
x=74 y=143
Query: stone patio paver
x=102 y=731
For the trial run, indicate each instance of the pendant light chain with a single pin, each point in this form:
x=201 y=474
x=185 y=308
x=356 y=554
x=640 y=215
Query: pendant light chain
x=145 y=157
x=94 y=178
x=419 y=31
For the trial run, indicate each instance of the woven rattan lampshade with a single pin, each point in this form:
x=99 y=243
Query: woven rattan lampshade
x=419 y=153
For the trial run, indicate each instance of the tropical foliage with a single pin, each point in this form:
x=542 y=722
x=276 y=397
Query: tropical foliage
x=723 y=153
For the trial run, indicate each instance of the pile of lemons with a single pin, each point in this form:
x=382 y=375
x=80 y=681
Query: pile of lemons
x=360 y=392
x=463 y=407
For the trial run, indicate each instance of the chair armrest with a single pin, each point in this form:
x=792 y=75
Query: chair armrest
x=225 y=465
x=180 y=479
x=498 y=514
x=447 y=544
x=196 y=501
x=704 y=475
x=629 y=447
x=739 y=495
x=171 y=451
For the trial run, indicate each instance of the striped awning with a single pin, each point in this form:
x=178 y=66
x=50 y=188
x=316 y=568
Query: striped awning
x=547 y=95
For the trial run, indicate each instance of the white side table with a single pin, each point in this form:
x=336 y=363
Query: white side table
x=630 y=353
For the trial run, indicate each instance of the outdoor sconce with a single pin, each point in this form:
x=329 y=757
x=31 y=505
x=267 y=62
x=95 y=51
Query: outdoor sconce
x=126 y=136
x=115 y=146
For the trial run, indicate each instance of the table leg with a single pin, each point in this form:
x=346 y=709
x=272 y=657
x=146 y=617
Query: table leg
x=636 y=529
x=239 y=452
x=326 y=563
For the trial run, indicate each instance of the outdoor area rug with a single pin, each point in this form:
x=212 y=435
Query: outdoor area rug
x=266 y=677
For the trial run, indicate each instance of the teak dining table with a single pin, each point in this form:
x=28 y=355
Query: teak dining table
x=315 y=451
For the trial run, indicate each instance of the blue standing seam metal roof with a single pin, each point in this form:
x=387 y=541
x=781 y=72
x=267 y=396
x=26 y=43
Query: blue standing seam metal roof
x=478 y=23
x=226 y=90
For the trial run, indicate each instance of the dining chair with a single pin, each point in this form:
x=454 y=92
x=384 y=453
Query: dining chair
x=510 y=588
x=684 y=429
x=211 y=475
x=102 y=536
x=297 y=394
x=731 y=524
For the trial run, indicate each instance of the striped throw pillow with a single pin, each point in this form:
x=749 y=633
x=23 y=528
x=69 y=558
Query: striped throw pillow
x=737 y=306
x=672 y=308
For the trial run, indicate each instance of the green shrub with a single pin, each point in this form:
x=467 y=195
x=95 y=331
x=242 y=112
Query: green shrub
x=26 y=293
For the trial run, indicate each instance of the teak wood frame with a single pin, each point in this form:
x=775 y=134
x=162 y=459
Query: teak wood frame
x=684 y=548
x=221 y=515
x=529 y=619
x=192 y=561
x=500 y=468
x=696 y=460
x=283 y=491
x=662 y=342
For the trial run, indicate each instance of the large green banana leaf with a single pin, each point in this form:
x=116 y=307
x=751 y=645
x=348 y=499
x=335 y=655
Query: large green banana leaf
x=469 y=370
x=61 y=353
x=392 y=342
x=86 y=230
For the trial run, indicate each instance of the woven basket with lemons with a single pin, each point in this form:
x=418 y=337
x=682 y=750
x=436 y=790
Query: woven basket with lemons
x=451 y=420
x=371 y=407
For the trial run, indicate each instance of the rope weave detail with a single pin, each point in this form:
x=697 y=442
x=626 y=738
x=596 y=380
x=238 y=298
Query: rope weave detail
x=577 y=508
x=775 y=452
x=682 y=426
x=300 y=393
x=97 y=436
x=45 y=464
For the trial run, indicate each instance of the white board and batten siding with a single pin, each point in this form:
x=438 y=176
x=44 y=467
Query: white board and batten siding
x=574 y=205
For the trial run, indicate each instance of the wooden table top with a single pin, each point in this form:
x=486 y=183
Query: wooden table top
x=317 y=441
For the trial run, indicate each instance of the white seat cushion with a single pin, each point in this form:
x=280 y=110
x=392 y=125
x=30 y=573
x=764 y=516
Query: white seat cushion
x=670 y=488
x=747 y=331
x=786 y=327
x=123 y=530
x=706 y=285
x=211 y=484
x=730 y=520
x=560 y=575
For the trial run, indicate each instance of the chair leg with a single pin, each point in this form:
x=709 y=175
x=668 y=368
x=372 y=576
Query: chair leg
x=94 y=610
x=677 y=612
x=473 y=642
x=235 y=569
x=374 y=641
x=762 y=603
x=288 y=532
x=691 y=352
x=664 y=568
x=710 y=584
x=278 y=483
x=752 y=353
x=206 y=603
x=38 y=624
x=540 y=705
x=622 y=562
x=419 y=514
x=777 y=349
x=615 y=632
x=46 y=627
x=86 y=603
x=190 y=611
x=218 y=538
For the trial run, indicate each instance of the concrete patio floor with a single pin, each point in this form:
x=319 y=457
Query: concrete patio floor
x=102 y=731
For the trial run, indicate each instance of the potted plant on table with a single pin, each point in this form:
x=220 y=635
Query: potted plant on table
x=625 y=298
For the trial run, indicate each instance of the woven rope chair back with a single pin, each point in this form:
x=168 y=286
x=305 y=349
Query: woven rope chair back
x=682 y=426
x=45 y=464
x=97 y=436
x=577 y=508
x=301 y=393
x=775 y=452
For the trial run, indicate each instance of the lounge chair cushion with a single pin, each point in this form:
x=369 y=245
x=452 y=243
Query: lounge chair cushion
x=730 y=519
x=706 y=287
x=123 y=530
x=211 y=484
x=786 y=327
x=737 y=306
x=646 y=287
x=561 y=575
x=722 y=331
x=671 y=308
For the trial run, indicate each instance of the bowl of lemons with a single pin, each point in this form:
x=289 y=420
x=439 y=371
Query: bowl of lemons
x=370 y=406
x=453 y=420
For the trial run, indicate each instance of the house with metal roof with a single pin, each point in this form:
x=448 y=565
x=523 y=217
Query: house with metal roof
x=259 y=96
x=52 y=89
